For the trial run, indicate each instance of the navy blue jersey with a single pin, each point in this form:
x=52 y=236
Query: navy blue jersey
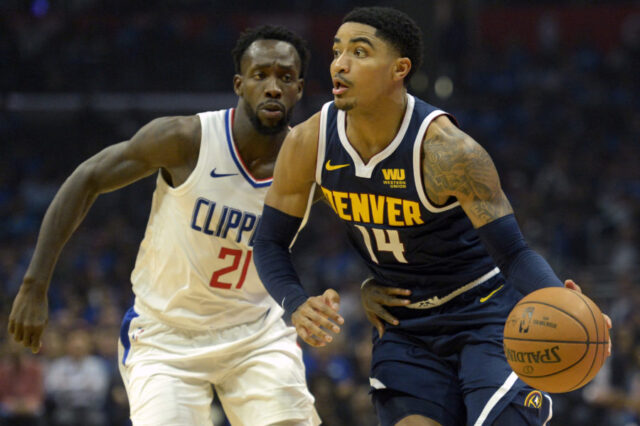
x=406 y=240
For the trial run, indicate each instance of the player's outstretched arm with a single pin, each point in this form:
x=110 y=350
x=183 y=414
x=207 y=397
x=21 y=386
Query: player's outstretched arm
x=285 y=204
x=167 y=143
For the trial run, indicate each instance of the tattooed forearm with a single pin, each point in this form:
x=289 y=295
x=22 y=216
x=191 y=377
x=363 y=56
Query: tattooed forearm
x=455 y=165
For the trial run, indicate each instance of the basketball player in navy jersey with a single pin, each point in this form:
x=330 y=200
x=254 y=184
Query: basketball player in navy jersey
x=424 y=208
x=201 y=316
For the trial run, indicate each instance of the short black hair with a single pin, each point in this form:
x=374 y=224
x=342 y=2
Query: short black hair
x=395 y=27
x=271 y=32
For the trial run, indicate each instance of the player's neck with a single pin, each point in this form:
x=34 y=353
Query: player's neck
x=371 y=129
x=257 y=150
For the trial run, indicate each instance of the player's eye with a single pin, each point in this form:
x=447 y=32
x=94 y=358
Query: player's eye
x=336 y=53
x=287 y=78
x=360 y=52
x=259 y=75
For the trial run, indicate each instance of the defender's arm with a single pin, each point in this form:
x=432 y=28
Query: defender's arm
x=165 y=143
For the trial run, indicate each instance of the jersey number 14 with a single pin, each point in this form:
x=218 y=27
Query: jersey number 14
x=387 y=240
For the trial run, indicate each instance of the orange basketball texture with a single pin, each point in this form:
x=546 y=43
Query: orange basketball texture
x=556 y=339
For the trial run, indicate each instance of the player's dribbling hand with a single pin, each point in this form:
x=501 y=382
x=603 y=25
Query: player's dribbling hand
x=570 y=284
x=29 y=316
x=318 y=314
x=375 y=296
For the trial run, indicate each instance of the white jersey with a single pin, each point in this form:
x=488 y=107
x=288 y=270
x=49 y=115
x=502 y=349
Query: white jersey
x=194 y=269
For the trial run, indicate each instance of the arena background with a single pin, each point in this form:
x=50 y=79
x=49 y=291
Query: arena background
x=551 y=89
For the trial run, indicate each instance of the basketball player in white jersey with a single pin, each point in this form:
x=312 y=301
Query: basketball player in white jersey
x=201 y=316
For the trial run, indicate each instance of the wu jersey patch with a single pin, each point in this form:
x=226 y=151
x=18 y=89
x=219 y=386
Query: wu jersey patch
x=394 y=178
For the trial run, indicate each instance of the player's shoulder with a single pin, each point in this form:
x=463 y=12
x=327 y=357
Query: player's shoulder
x=169 y=140
x=305 y=134
x=185 y=127
x=179 y=133
x=445 y=139
x=308 y=128
x=300 y=147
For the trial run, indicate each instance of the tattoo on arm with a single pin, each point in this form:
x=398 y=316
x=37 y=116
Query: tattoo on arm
x=455 y=165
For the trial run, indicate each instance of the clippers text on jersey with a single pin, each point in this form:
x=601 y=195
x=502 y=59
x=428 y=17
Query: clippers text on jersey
x=228 y=219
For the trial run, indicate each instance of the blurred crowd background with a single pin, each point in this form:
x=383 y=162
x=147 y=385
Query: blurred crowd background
x=551 y=89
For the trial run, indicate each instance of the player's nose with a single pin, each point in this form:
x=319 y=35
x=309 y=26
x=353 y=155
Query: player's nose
x=272 y=89
x=340 y=64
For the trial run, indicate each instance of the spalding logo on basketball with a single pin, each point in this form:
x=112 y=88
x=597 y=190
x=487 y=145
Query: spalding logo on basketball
x=556 y=339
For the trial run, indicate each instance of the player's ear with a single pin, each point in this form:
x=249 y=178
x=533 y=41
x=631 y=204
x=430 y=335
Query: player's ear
x=300 y=89
x=401 y=68
x=237 y=84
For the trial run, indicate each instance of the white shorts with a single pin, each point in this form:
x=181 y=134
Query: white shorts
x=256 y=369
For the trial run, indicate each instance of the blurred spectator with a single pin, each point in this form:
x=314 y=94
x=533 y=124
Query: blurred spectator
x=21 y=387
x=617 y=386
x=117 y=404
x=77 y=384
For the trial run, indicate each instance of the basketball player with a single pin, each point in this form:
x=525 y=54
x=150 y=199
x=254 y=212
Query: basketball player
x=201 y=315
x=423 y=206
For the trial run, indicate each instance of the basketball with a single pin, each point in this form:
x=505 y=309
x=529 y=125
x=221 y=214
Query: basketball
x=556 y=339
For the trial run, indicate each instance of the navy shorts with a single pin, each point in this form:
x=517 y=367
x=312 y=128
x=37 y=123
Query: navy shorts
x=447 y=363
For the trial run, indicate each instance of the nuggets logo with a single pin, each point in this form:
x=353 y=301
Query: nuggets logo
x=533 y=399
x=394 y=178
x=525 y=321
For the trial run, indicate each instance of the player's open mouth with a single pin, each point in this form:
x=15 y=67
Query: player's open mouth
x=339 y=87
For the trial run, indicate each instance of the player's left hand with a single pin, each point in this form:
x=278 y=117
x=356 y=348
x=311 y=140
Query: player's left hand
x=570 y=284
x=375 y=296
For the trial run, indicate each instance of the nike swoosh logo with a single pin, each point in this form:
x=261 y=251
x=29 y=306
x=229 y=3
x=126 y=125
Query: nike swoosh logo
x=217 y=175
x=488 y=296
x=331 y=167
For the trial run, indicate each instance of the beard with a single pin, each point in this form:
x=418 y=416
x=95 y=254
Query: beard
x=344 y=105
x=264 y=129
